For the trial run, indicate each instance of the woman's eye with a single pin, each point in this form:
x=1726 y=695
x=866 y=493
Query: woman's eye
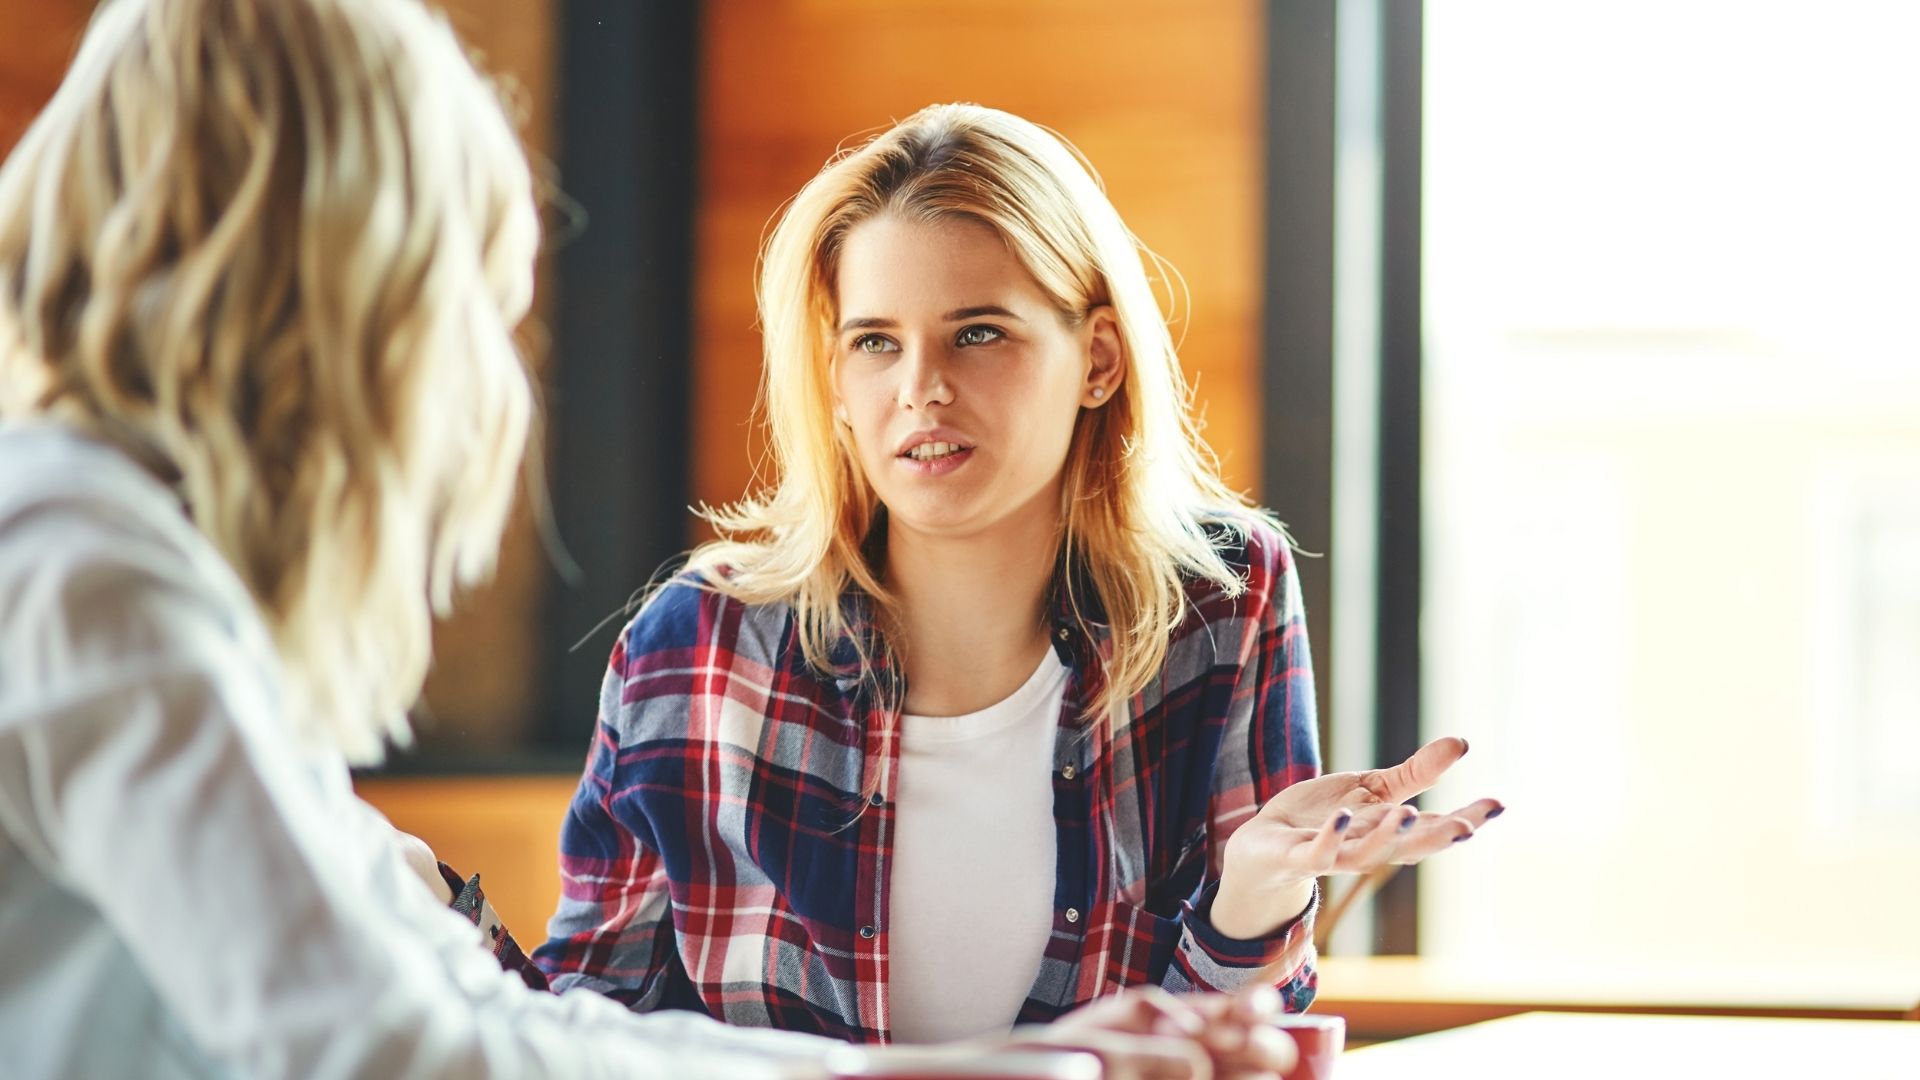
x=873 y=343
x=978 y=335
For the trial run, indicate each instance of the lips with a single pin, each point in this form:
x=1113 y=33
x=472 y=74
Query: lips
x=933 y=445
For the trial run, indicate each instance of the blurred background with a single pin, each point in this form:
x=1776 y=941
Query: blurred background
x=1575 y=340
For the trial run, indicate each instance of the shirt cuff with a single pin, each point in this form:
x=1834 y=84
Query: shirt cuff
x=470 y=903
x=1218 y=962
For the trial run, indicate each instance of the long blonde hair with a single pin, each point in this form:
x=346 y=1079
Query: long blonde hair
x=280 y=246
x=1141 y=487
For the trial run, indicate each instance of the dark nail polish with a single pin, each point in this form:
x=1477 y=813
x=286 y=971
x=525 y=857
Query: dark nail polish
x=1340 y=823
x=1407 y=822
x=1458 y=839
x=1496 y=812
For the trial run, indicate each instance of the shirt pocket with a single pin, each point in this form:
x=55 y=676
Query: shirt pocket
x=1138 y=945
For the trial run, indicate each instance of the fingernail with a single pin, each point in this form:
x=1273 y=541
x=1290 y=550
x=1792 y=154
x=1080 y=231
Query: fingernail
x=1458 y=839
x=1264 y=1001
x=1345 y=819
x=1407 y=822
x=1496 y=812
x=1465 y=746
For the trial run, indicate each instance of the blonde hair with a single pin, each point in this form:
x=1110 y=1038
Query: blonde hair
x=1141 y=488
x=279 y=247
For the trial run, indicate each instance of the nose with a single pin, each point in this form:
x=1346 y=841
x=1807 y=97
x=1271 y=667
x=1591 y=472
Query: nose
x=923 y=380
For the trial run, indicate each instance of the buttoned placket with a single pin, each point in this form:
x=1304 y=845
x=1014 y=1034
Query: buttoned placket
x=881 y=746
x=1073 y=804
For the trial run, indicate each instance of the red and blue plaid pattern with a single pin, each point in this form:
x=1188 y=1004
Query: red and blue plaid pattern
x=719 y=856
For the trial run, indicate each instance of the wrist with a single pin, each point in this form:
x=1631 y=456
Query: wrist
x=1249 y=918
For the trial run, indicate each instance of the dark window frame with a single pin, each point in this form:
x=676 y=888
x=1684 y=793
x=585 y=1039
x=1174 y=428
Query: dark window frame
x=1299 y=363
x=618 y=407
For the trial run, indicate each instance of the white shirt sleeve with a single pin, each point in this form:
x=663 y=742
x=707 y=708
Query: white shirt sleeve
x=143 y=767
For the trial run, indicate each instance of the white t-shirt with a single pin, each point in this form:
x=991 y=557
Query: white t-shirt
x=183 y=893
x=971 y=899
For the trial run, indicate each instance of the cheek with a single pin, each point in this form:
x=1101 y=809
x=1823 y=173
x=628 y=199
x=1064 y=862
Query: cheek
x=864 y=409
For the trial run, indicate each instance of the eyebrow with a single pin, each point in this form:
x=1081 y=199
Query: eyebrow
x=956 y=315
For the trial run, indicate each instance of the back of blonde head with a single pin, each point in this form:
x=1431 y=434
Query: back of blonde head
x=278 y=246
x=1141 y=488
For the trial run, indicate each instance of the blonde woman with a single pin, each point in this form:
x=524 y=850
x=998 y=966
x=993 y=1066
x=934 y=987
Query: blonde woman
x=259 y=260
x=999 y=700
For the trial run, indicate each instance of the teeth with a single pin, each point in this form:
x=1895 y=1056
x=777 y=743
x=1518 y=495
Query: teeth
x=929 y=451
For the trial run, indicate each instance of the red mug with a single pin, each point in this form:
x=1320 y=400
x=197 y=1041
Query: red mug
x=1319 y=1038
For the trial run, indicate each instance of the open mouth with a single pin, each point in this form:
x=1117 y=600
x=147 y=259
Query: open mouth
x=935 y=451
x=935 y=457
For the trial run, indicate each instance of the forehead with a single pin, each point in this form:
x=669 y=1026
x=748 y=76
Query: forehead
x=892 y=267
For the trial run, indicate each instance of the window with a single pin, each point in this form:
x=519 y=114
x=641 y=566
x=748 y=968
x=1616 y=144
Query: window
x=1671 y=469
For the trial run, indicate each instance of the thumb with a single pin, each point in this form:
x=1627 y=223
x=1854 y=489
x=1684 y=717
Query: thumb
x=1422 y=770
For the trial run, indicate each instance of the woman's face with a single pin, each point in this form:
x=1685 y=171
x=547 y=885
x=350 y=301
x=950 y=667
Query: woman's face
x=957 y=379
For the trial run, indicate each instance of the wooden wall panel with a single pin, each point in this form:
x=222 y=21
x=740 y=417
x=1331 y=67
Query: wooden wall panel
x=504 y=828
x=1164 y=96
x=37 y=40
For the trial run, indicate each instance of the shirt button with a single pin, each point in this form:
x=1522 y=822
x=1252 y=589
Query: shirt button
x=877 y=799
x=867 y=932
x=1068 y=772
x=1073 y=914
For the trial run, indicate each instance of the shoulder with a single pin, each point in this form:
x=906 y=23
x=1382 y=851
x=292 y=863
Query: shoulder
x=1250 y=541
x=692 y=615
x=107 y=589
x=99 y=568
x=1260 y=555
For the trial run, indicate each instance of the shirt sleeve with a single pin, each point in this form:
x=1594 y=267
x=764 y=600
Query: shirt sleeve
x=153 y=777
x=1271 y=740
x=613 y=930
x=470 y=903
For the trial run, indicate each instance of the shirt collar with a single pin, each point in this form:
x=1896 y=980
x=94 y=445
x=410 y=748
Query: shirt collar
x=1077 y=637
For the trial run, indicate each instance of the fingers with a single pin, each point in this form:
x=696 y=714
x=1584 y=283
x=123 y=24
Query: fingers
x=1143 y=1057
x=1270 y=1052
x=1419 y=772
x=1324 y=850
x=1240 y=1035
x=1149 y=1010
x=1438 y=833
x=1479 y=812
x=1380 y=843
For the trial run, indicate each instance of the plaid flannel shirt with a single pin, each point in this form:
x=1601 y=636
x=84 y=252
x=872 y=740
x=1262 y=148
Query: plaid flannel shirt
x=719 y=857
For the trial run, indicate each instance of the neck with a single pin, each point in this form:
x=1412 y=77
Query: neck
x=972 y=612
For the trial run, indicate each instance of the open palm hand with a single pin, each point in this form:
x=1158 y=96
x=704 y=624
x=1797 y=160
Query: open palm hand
x=1346 y=823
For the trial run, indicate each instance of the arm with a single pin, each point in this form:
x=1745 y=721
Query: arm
x=1271 y=740
x=613 y=930
x=259 y=898
x=1300 y=826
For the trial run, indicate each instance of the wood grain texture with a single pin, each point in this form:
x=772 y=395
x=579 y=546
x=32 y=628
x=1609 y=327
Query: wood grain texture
x=504 y=828
x=37 y=41
x=1162 y=96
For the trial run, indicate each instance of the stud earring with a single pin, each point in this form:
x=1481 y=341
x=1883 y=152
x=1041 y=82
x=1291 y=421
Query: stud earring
x=1099 y=392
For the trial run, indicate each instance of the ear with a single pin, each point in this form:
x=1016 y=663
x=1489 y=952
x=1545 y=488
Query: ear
x=1106 y=359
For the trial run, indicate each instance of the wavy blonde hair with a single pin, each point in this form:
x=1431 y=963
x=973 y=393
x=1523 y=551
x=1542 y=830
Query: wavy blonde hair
x=1142 y=502
x=277 y=248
